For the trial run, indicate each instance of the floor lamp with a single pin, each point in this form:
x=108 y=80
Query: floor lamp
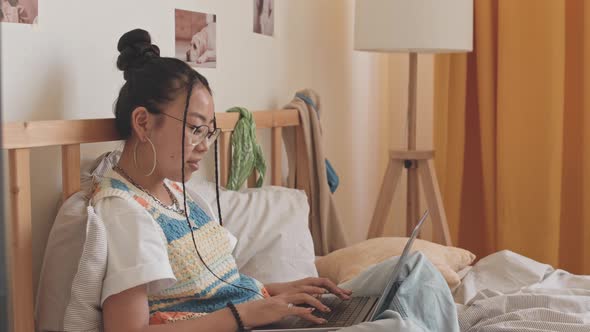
x=413 y=26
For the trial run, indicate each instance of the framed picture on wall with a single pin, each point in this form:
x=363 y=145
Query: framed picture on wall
x=264 y=17
x=196 y=38
x=19 y=11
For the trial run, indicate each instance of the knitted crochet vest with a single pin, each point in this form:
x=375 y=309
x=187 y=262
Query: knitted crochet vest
x=197 y=291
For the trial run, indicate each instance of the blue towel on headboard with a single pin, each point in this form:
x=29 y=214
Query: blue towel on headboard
x=333 y=179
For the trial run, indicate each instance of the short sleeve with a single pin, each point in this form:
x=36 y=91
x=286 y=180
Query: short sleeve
x=136 y=251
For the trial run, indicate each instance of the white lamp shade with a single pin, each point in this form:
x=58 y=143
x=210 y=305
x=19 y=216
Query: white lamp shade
x=423 y=26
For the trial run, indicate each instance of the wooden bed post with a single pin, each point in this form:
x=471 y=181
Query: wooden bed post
x=21 y=244
x=224 y=157
x=70 y=170
x=276 y=156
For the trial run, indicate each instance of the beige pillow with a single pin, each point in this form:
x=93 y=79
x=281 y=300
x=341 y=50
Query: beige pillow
x=344 y=264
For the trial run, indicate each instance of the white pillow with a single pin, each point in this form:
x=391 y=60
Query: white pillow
x=271 y=224
x=74 y=265
x=94 y=171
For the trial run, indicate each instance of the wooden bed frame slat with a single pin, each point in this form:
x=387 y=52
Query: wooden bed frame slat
x=70 y=167
x=19 y=138
x=276 y=155
x=224 y=157
x=252 y=179
x=62 y=132
x=21 y=256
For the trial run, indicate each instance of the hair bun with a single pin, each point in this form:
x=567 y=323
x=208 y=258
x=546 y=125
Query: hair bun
x=135 y=49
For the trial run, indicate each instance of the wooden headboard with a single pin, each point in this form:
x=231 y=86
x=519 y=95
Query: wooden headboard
x=19 y=138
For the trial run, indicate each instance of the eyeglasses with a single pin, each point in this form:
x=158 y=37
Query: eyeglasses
x=199 y=134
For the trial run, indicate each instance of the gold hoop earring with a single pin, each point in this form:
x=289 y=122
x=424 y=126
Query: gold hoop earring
x=153 y=150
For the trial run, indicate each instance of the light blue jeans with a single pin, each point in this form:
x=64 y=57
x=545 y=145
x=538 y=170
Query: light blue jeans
x=422 y=301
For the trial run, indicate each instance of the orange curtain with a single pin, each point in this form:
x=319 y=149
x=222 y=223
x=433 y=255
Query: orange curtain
x=512 y=132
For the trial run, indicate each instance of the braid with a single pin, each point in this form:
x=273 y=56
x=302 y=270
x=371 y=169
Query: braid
x=217 y=177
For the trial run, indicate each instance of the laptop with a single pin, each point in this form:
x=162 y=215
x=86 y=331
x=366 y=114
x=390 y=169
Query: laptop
x=350 y=312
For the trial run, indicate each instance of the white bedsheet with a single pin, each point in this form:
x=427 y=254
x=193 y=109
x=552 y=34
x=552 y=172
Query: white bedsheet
x=509 y=292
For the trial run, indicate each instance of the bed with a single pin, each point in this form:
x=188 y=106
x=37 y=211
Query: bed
x=503 y=278
x=19 y=138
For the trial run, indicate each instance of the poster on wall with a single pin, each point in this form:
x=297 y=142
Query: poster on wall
x=264 y=17
x=195 y=38
x=19 y=11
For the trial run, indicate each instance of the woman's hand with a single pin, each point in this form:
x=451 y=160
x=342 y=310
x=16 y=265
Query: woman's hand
x=311 y=286
x=273 y=309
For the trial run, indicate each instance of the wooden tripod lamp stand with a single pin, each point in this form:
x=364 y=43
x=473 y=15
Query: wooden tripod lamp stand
x=413 y=26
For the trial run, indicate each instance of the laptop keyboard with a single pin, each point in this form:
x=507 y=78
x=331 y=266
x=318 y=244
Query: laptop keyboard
x=344 y=313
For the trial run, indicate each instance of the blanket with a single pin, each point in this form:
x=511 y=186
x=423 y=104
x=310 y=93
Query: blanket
x=422 y=301
x=509 y=292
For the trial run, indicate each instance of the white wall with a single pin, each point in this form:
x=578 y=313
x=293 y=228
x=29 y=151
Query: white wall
x=64 y=68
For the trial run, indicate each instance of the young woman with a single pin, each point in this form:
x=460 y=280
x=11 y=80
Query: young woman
x=169 y=261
